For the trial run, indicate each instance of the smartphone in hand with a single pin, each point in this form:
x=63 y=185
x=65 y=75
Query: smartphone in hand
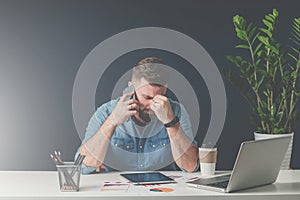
x=127 y=90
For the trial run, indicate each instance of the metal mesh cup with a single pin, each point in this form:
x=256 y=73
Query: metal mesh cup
x=69 y=176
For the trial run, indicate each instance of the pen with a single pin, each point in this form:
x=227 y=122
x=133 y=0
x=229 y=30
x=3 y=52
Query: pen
x=78 y=162
x=58 y=156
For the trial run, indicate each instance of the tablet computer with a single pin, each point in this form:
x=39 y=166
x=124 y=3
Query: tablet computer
x=141 y=178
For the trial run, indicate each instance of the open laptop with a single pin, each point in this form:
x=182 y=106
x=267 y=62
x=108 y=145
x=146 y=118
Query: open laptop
x=257 y=163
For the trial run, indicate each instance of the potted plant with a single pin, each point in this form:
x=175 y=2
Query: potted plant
x=267 y=76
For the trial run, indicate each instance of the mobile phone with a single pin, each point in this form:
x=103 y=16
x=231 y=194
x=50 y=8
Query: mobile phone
x=127 y=90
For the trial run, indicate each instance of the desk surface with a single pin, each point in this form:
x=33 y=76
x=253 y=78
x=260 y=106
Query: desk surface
x=20 y=184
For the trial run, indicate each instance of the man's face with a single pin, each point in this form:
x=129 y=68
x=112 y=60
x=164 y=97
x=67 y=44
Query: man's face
x=145 y=92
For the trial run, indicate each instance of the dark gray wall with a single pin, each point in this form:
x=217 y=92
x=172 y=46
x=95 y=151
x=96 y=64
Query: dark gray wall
x=43 y=43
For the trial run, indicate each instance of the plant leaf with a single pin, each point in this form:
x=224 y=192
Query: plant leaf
x=242 y=46
x=268 y=32
x=257 y=48
x=264 y=40
x=242 y=35
x=273 y=110
x=268 y=24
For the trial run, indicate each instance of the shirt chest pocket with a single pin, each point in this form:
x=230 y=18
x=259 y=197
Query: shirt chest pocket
x=158 y=143
x=126 y=144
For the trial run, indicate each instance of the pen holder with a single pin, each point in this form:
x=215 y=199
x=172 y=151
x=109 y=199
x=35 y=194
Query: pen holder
x=69 y=176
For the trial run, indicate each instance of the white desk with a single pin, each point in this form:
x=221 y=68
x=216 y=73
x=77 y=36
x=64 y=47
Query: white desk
x=44 y=185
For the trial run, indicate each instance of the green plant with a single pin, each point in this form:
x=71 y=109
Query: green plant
x=268 y=77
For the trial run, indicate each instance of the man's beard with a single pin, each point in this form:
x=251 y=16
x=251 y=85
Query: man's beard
x=144 y=116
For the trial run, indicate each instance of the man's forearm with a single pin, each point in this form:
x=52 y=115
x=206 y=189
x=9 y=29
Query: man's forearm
x=95 y=148
x=184 y=150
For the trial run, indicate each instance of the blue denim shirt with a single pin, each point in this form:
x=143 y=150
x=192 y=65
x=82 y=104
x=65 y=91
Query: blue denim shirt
x=134 y=149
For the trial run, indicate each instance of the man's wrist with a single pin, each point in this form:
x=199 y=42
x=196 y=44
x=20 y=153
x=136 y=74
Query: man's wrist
x=171 y=123
x=112 y=121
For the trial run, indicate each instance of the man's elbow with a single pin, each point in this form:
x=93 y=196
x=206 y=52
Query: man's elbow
x=192 y=167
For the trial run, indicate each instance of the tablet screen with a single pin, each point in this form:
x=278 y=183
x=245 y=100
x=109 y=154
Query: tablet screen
x=147 y=178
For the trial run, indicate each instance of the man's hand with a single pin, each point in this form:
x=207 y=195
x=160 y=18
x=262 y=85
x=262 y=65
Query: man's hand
x=124 y=109
x=162 y=109
x=90 y=160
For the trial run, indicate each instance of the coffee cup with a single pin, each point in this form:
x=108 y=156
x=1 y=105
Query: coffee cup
x=208 y=160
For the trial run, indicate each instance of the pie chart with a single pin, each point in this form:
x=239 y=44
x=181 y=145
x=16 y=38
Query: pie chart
x=161 y=190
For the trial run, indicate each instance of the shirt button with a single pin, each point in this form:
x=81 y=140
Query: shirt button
x=153 y=145
x=127 y=147
x=164 y=144
x=116 y=144
x=141 y=147
x=141 y=165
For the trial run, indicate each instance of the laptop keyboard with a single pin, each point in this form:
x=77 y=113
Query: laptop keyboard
x=222 y=184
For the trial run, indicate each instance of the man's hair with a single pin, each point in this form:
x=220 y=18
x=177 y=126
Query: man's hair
x=152 y=69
